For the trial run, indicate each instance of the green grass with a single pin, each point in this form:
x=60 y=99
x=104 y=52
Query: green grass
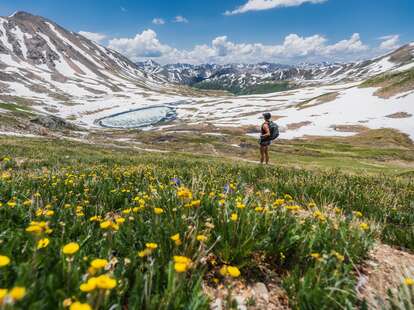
x=303 y=223
x=381 y=151
x=14 y=115
x=265 y=88
x=18 y=110
x=392 y=83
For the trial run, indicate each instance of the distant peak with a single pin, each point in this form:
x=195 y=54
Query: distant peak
x=21 y=14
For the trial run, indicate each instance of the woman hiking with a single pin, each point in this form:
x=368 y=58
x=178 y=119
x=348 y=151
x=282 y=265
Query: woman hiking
x=265 y=139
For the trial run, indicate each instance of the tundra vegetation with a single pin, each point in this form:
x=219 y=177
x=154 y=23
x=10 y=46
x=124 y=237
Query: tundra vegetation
x=92 y=227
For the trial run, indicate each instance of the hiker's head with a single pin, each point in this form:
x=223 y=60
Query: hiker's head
x=267 y=116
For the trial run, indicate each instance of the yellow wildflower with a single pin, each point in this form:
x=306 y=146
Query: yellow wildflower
x=17 y=293
x=202 y=238
x=409 y=281
x=158 y=211
x=338 y=256
x=99 y=263
x=4 y=261
x=11 y=204
x=144 y=253
x=176 y=239
x=89 y=286
x=278 y=202
x=79 y=306
x=105 y=225
x=27 y=203
x=231 y=271
x=105 y=282
x=195 y=203
x=70 y=248
x=364 y=226
x=234 y=217
x=151 y=245
x=67 y=302
x=109 y=225
x=294 y=208
x=43 y=243
x=182 y=263
x=184 y=193
x=95 y=218
x=120 y=220
x=239 y=205
x=358 y=214
x=319 y=215
x=316 y=256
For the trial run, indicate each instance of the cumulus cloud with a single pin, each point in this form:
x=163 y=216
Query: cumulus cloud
x=143 y=45
x=94 y=36
x=260 y=5
x=390 y=42
x=294 y=48
x=158 y=21
x=353 y=45
x=180 y=19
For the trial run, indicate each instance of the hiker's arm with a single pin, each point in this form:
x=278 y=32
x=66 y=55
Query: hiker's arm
x=267 y=131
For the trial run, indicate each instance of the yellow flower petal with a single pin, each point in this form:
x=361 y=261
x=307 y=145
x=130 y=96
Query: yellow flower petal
x=4 y=261
x=70 y=248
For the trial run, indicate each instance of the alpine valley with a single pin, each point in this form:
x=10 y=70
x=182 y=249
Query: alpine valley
x=51 y=77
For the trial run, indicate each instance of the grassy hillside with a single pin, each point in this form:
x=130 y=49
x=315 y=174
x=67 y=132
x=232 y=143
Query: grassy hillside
x=162 y=224
x=392 y=83
x=235 y=89
x=374 y=151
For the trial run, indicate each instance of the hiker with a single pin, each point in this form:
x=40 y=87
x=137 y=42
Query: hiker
x=269 y=132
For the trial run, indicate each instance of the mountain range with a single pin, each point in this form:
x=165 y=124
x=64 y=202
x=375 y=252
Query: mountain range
x=242 y=79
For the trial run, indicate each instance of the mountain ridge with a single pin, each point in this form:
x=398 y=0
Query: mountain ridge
x=237 y=76
x=37 y=53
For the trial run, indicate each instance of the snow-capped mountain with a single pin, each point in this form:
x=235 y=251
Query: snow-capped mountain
x=240 y=78
x=42 y=59
x=186 y=74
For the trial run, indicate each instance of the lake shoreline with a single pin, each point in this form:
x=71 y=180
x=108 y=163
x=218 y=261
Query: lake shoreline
x=170 y=115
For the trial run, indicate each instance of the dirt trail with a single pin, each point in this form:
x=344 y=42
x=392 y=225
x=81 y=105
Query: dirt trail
x=254 y=296
x=386 y=268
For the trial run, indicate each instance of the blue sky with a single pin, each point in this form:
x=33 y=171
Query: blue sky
x=285 y=31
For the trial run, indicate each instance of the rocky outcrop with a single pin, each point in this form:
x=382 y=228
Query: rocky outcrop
x=54 y=123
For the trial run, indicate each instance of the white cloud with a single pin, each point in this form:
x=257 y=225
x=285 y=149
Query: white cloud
x=353 y=45
x=158 y=21
x=143 y=45
x=260 y=5
x=390 y=42
x=94 y=36
x=293 y=49
x=180 y=19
